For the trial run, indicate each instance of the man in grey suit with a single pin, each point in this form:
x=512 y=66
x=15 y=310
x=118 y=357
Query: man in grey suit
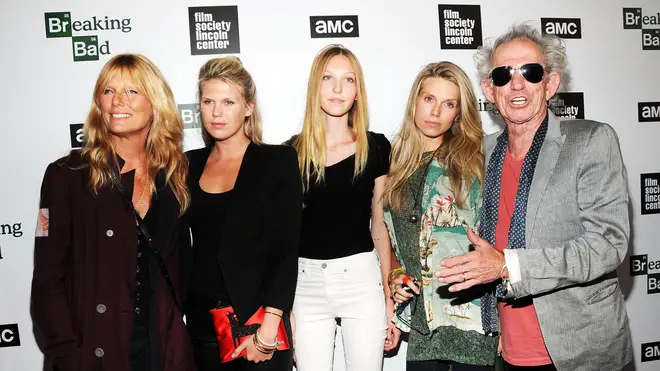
x=555 y=218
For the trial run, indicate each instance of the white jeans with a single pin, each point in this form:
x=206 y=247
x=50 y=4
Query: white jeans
x=351 y=289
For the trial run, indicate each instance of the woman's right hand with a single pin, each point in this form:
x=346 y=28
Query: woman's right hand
x=400 y=295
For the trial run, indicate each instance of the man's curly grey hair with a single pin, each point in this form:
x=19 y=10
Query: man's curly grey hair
x=552 y=47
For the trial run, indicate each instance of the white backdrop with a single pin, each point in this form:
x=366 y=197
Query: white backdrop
x=45 y=91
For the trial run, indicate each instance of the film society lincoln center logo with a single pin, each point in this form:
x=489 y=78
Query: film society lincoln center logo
x=85 y=47
x=650 y=193
x=649 y=24
x=460 y=26
x=214 y=30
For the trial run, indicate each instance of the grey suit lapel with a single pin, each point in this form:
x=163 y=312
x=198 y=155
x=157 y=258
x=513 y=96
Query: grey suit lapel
x=489 y=146
x=545 y=166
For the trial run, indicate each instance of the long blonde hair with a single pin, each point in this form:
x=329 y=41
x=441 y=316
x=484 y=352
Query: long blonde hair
x=460 y=152
x=164 y=145
x=310 y=144
x=231 y=71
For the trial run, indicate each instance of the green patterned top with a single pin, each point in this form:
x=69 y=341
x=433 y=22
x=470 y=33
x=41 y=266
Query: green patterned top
x=445 y=325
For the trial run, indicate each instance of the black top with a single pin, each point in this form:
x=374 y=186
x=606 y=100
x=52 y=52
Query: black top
x=337 y=213
x=258 y=257
x=206 y=216
x=143 y=352
x=143 y=289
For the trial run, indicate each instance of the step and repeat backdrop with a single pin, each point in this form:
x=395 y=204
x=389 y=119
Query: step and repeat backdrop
x=52 y=52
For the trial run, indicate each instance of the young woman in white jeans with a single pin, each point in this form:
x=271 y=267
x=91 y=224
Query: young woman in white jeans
x=342 y=260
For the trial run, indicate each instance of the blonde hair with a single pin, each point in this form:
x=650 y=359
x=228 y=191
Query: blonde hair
x=164 y=144
x=310 y=144
x=231 y=71
x=460 y=152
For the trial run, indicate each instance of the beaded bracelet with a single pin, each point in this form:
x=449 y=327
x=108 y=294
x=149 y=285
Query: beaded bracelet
x=395 y=272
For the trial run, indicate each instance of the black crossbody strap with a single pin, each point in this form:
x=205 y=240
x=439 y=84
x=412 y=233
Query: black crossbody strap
x=147 y=236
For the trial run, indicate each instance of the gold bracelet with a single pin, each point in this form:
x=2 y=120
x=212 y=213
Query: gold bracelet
x=260 y=348
x=266 y=345
x=273 y=313
x=395 y=272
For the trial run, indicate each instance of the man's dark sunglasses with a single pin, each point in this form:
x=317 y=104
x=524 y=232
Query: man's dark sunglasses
x=532 y=72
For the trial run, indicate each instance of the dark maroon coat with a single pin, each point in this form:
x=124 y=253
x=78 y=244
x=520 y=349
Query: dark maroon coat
x=84 y=275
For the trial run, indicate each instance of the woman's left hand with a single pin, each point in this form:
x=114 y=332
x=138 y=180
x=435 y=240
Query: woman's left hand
x=253 y=355
x=393 y=334
x=392 y=337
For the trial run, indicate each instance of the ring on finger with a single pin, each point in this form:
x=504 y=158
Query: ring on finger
x=463 y=277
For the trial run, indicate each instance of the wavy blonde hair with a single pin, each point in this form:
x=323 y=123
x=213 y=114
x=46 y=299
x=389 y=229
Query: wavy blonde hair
x=461 y=150
x=164 y=144
x=231 y=71
x=310 y=144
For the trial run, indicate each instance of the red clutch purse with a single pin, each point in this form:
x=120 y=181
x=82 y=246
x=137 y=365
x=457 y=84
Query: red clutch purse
x=230 y=333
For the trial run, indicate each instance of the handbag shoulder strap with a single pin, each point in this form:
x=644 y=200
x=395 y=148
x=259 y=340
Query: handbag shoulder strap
x=147 y=236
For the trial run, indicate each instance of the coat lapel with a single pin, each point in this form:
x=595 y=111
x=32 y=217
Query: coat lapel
x=166 y=210
x=248 y=172
x=545 y=166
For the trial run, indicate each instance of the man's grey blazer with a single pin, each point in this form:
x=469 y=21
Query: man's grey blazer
x=576 y=235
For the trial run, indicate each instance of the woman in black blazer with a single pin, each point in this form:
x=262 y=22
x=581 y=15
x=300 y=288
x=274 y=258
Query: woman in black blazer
x=245 y=213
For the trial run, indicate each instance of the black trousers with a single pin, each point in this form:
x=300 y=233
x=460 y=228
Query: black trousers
x=207 y=358
x=444 y=366
x=205 y=347
x=510 y=367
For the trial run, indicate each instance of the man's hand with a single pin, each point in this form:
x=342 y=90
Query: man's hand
x=474 y=268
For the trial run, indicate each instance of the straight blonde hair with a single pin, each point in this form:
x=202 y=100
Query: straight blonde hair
x=461 y=150
x=164 y=145
x=231 y=71
x=310 y=144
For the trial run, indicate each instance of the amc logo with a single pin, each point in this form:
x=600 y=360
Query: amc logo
x=334 y=26
x=77 y=137
x=648 y=111
x=651 y=351
x=566 y=28
x=9 y=336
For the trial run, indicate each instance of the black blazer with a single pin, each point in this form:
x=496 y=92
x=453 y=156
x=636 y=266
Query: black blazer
x=260 y=238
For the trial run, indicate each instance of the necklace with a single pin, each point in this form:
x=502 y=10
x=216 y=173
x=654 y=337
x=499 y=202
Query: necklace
x=414 y=215
x=137 y=205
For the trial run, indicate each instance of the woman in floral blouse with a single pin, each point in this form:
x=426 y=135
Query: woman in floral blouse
x=433 y=194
